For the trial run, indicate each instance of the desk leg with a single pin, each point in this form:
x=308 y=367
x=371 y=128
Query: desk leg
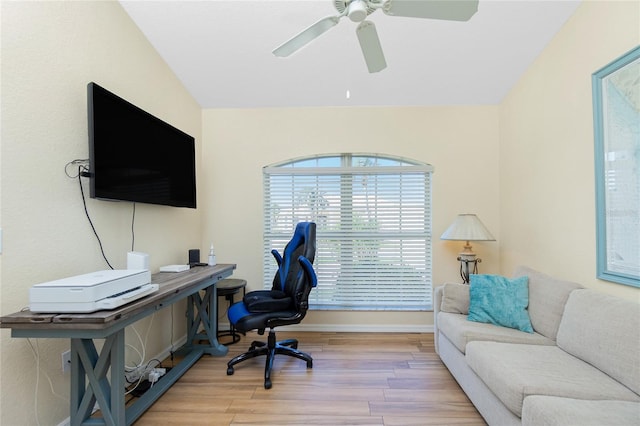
x=203 y=311
x=216 y=347
x=86 y=364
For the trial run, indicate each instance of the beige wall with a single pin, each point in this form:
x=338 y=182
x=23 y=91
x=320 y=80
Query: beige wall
x=547 y=194
x=460 y=142
x=525 y=167
x=50 y=51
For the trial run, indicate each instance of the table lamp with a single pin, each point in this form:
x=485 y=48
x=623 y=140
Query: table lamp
x=467 y=227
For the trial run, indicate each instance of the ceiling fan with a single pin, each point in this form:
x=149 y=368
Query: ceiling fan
x=358 y=10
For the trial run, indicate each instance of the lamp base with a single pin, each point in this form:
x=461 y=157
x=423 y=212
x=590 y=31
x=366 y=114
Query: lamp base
x=466 y=261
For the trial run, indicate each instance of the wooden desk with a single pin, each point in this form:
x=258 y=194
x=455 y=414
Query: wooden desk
x=104 y=372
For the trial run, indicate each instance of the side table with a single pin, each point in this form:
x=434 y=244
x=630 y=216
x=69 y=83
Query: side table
x=228 y=288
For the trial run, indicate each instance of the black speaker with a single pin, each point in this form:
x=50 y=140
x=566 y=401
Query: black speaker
x=194 y=257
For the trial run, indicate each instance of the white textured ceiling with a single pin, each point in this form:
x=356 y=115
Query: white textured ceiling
x=221 y=51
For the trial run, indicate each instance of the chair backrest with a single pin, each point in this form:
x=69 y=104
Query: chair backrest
x=291 y=277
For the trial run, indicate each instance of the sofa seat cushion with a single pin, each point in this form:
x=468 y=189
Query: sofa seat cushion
x=515 y=371
x=461 y=331
x=540 y=410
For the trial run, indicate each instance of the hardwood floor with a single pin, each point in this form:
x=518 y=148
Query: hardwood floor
x=357 y=379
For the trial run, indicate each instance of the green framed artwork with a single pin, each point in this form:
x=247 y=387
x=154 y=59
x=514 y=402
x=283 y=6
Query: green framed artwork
x=616 y=113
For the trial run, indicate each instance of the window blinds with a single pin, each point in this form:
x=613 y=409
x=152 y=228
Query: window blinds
x=373 y=231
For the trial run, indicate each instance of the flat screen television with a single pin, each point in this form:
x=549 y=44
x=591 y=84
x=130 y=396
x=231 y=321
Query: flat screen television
x=134 y=156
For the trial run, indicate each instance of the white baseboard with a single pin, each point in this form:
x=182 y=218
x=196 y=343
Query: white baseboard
x=354 y=328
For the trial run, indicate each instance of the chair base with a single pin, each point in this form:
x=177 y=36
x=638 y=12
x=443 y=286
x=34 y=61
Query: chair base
x=287 y=347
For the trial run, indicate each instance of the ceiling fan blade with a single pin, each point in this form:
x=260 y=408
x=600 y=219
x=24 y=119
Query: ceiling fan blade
x=450 y=10
x=301 y=39
x=370 y=45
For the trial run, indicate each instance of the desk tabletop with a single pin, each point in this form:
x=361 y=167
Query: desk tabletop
x=172 y=286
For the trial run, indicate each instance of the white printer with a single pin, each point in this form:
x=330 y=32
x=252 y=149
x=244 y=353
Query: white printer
x=91 y=292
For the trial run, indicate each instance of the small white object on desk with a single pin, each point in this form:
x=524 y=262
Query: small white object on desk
x=137 y=260
x=174 y=268
x=212 y=256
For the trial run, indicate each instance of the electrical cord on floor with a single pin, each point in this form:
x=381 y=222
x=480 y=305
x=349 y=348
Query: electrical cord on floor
x=140 y=387
x=138 y=370
x=143 y=343
x=153 y=374
x=142 y=354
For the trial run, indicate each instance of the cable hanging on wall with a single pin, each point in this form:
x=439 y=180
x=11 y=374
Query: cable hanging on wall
x=83 y=171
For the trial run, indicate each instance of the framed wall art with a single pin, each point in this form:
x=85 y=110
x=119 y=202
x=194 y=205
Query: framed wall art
x=616 y=109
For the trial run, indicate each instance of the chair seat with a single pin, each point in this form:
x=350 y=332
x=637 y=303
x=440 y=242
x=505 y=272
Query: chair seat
x=244 y=320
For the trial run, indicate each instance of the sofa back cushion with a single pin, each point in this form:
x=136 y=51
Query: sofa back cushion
x=455 y=298
x=547 y=297
x=603 y=330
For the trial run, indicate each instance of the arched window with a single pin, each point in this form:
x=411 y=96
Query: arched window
x=373 y=217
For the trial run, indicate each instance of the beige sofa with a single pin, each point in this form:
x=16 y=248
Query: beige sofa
x=581 y=366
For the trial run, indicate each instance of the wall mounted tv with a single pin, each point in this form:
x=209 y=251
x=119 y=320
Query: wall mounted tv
x=134 y=156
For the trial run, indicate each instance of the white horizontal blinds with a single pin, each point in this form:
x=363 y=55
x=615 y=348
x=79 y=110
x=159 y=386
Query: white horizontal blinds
x=373 y=219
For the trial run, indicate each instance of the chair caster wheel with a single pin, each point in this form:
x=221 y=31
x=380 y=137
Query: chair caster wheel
x=267 y=384
x=229 y=371
x=309 y=364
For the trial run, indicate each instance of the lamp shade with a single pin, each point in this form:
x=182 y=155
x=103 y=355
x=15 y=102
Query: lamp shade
x=467 y=227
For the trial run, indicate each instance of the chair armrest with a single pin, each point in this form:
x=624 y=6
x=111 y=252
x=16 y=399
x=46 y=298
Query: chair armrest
x=277 y=257
x=308 y=270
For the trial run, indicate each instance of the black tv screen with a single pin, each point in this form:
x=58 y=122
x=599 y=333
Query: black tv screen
x=134 y=156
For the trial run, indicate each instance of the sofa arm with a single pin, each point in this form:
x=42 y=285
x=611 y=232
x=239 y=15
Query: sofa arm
x=437 y=302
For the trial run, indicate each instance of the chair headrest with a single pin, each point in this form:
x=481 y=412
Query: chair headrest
x=303 y=234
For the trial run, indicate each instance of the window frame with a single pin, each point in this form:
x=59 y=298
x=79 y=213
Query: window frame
x=412 y=241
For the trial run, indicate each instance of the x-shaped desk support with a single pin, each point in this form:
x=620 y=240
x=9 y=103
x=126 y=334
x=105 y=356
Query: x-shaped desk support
x=107 y=391
x=203 y=311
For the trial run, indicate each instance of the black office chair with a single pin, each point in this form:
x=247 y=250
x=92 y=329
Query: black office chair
x=286 y=303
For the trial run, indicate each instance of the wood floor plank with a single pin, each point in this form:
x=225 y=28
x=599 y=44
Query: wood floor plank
x=414 y=408
x=410 y=395
x=377 y=379
x=431 y=420
x=315 y=393
x=164 y=418
x=305 y=420
x=306 y=407
x=188 y=404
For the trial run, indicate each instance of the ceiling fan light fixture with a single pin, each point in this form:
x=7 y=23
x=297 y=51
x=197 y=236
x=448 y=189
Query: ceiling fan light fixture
x=357 y=10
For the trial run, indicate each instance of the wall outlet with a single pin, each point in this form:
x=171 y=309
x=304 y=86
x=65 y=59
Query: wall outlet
x=66 y=361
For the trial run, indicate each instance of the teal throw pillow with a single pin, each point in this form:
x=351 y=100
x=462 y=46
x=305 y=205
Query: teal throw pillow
x=499 y=300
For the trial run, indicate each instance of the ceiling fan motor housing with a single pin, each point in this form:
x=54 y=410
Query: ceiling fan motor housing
x=357 y=10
